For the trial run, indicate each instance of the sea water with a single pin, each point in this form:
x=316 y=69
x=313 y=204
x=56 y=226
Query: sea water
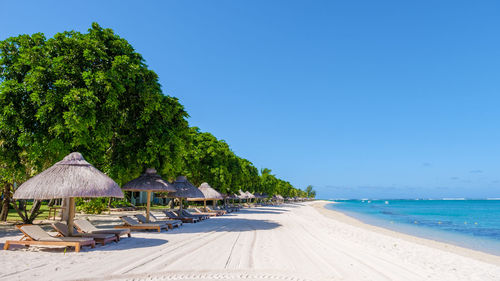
x=474 y=224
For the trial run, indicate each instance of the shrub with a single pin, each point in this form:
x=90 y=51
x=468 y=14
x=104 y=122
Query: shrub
x=92 y=206
x=120 y=203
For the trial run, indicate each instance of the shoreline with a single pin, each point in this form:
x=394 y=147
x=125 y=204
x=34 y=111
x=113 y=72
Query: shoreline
x=320 y=206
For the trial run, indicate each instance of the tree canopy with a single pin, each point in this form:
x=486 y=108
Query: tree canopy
x=90 y=93
x=93 y=93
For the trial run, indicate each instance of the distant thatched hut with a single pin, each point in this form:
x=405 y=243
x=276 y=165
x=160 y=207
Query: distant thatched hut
x=149 y=182
x=208 y=194
x=185 y=189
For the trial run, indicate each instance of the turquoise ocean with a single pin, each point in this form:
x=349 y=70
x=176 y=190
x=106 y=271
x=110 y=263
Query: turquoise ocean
x=473 y=224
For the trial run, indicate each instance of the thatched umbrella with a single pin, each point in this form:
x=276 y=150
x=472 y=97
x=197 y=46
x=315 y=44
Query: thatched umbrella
x=249 y=195
x=208 y=194
x=69 y=178
x=185 y=189
x=232 y=197
x=149 y=181
x=242 y=195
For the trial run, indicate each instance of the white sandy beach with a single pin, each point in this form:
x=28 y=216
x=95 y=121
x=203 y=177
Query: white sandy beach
x=291 y=242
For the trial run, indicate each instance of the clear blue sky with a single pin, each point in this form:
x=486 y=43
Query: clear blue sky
x=358 y=98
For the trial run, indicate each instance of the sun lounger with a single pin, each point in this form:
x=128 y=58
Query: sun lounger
x=34 y=235
x=218 y=212
x=173 y=215
x=135 y=225
x=188 y=214
x=163 y=218
x=63 y=230
x=199 y=212
x=84 y=226
x=169 y=223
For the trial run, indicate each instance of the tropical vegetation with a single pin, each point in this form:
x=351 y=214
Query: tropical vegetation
x=93 y=93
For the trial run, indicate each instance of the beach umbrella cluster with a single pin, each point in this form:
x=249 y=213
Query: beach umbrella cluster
x=74 y=177
x=208 y=194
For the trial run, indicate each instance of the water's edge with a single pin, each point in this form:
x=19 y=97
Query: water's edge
x=472 y=243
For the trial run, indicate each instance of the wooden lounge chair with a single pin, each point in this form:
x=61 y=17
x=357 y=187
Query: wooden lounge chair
x=218 y=212
x=169 y=223
x=199 y=212
x=173 y=215
x=36 y=236
x=164 y=218
x=63 y=230
x=135 y=225
x=186 y=213
x=84 y=226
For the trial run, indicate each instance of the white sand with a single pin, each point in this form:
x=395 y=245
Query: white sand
x=292 y=242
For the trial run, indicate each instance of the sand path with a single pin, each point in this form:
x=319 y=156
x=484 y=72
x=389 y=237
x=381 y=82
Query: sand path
x=292 y=242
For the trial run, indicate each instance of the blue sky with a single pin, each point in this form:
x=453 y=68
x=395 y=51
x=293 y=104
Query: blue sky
x=358 y=98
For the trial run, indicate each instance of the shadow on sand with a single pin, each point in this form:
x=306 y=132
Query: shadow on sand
x=222 y=224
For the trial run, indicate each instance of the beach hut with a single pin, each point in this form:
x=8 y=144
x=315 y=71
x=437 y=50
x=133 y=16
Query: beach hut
x=149 y=182
x=242 y=195
x=185 y=189
x=208 y=194
x=232 y=197
x=249 y=195
x=261 y=196
x=69 y=178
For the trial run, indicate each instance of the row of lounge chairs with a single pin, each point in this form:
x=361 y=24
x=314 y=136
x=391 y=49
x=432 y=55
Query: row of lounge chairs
x=86 y=234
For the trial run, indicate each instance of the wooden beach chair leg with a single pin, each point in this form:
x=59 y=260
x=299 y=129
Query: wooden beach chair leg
x=77 y=248
x=6 y=245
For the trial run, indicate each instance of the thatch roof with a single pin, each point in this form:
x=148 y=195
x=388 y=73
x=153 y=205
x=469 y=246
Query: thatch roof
x=70 y=177
x=232 y=196
x=242 y=195
x=149 y=181
x=209 y=193
x=249 y=195
x=185 y=189
x=260 y=195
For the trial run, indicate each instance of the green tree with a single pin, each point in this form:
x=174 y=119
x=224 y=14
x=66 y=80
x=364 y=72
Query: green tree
x=90 y=93
x=310 y=192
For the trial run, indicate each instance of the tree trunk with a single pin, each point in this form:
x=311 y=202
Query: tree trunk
x=5 y=202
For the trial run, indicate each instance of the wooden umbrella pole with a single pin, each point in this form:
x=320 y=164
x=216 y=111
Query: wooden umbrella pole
x=148 y=206
x=205 y=205
x=214 y=203
x=71 y=215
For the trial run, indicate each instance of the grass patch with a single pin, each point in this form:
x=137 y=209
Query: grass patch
x=14 y=216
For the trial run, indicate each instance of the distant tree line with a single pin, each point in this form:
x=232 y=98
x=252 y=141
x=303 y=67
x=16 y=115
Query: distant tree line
x=92 y=93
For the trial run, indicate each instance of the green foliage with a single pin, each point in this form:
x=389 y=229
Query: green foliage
x=91 y=206
x=310 y=192
x=92 y=93
x=120 y=203
x=207 y=159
